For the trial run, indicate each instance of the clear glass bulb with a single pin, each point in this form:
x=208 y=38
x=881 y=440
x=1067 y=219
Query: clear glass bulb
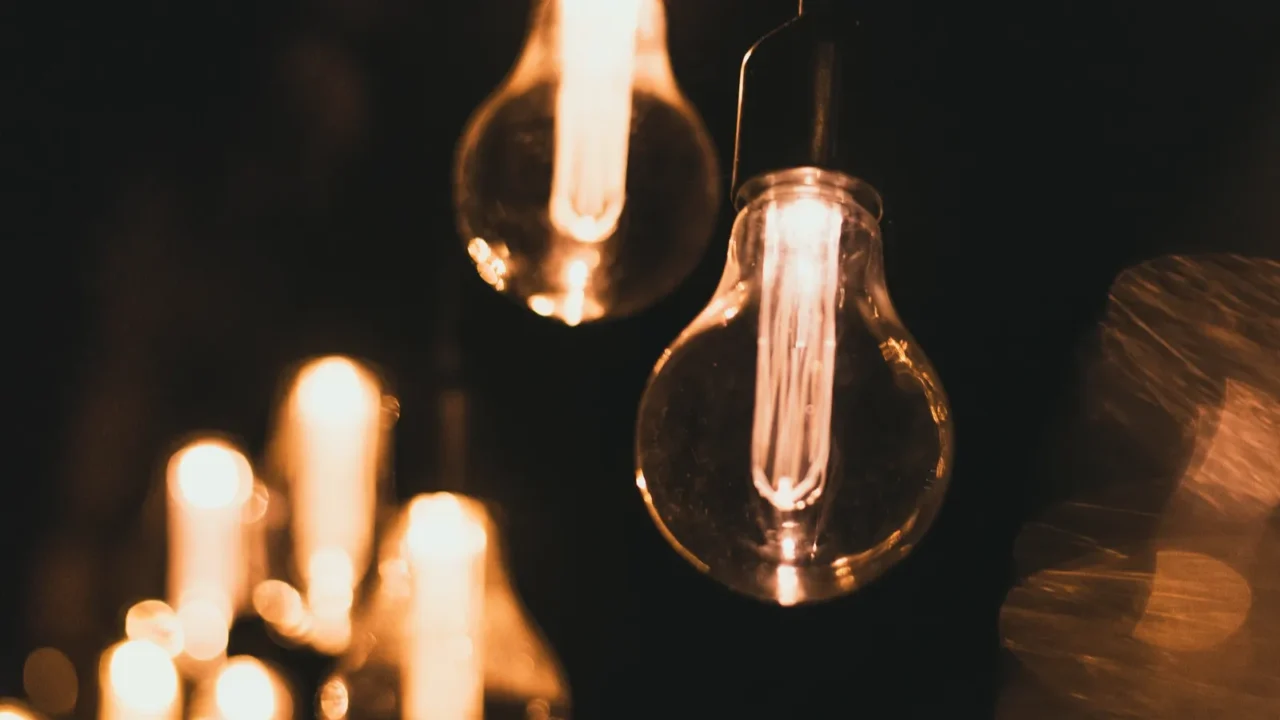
x=794 y=441
x=586 y=185
x=445 y=637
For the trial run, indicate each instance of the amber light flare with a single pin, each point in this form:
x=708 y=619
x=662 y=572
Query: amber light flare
x=244 y=688
x=208 y=484
x=329 y=449
x=443 y=663
x=138 y=681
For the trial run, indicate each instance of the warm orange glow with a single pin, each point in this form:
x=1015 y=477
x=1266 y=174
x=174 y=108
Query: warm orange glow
x=139 y=682
x=335 y=700
x=794 y=394
x=597 y=44
x=11 y=710
x=332 y=433
x=1196 y=603
x=248 y=690
x=205 y=626
x=50 y=681
x=491 y=264
x=443 y=670
x=576 y=302
x=281 y=605
x=209 y=484
x=155 y=621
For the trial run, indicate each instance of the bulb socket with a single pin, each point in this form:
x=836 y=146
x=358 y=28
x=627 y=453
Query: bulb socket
x=796 y=105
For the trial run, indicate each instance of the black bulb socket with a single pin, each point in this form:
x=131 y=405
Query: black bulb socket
x=796 y=101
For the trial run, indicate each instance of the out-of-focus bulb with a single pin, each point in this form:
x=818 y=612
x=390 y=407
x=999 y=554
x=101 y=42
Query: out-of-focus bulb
x=329 y=447
x=209 y=482
x=586 y=185
x=794 y=441
x=445 y=637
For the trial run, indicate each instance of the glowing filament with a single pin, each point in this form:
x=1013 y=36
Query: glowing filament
x=209 y=483
x=139 y=682
x=333 y=437
x=443 y=669
x=593 y=116
x=795 y=361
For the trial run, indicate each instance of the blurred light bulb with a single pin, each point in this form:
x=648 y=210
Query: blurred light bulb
x=794 y=441
x=209 y=482
x=445 y=637
x=586 y=185
x=330 y=444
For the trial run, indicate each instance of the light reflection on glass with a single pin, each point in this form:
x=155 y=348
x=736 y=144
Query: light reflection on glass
x=1152 y=592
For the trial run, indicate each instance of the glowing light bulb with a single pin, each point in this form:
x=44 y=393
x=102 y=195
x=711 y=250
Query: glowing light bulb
x=586 y=185
x=209 y=482
x=794 y=441
x=444 y=636
x=330 y=444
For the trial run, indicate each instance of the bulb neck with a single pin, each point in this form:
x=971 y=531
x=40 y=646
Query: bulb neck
x=836 y=185
x=792 y=91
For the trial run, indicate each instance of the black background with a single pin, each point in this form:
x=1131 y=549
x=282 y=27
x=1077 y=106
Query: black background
x=203 y=193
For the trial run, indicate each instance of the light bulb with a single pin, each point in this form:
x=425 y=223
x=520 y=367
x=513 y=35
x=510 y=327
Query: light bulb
x=445 y=637
x=586 y=185
x=794 y=441
x=209 y=482
x=321 y=505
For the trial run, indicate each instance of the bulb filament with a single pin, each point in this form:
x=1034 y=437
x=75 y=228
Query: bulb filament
x=593 y=116
x=795 y=361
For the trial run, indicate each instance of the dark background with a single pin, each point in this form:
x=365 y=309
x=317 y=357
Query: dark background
x=202 y=193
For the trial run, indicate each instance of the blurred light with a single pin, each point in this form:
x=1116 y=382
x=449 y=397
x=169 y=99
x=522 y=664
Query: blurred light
x=210 y=483
x=334 y=700
x=280 y=604
x=155 y=621
x=210 y=476
x=204 y=628
x=255 y=508
x=50 y=681
x=443 y=666
x=139 y=681
x=13 y=710
x=331 y=442
x=334 y=390
x=246 y=690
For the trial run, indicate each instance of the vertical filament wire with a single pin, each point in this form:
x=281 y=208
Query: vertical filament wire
x=795 y=356
x=593 y=116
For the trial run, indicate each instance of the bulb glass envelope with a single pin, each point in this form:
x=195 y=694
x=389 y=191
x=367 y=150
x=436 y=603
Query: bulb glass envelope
x=795 y=441
x=586 y=186
x=519 y=674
